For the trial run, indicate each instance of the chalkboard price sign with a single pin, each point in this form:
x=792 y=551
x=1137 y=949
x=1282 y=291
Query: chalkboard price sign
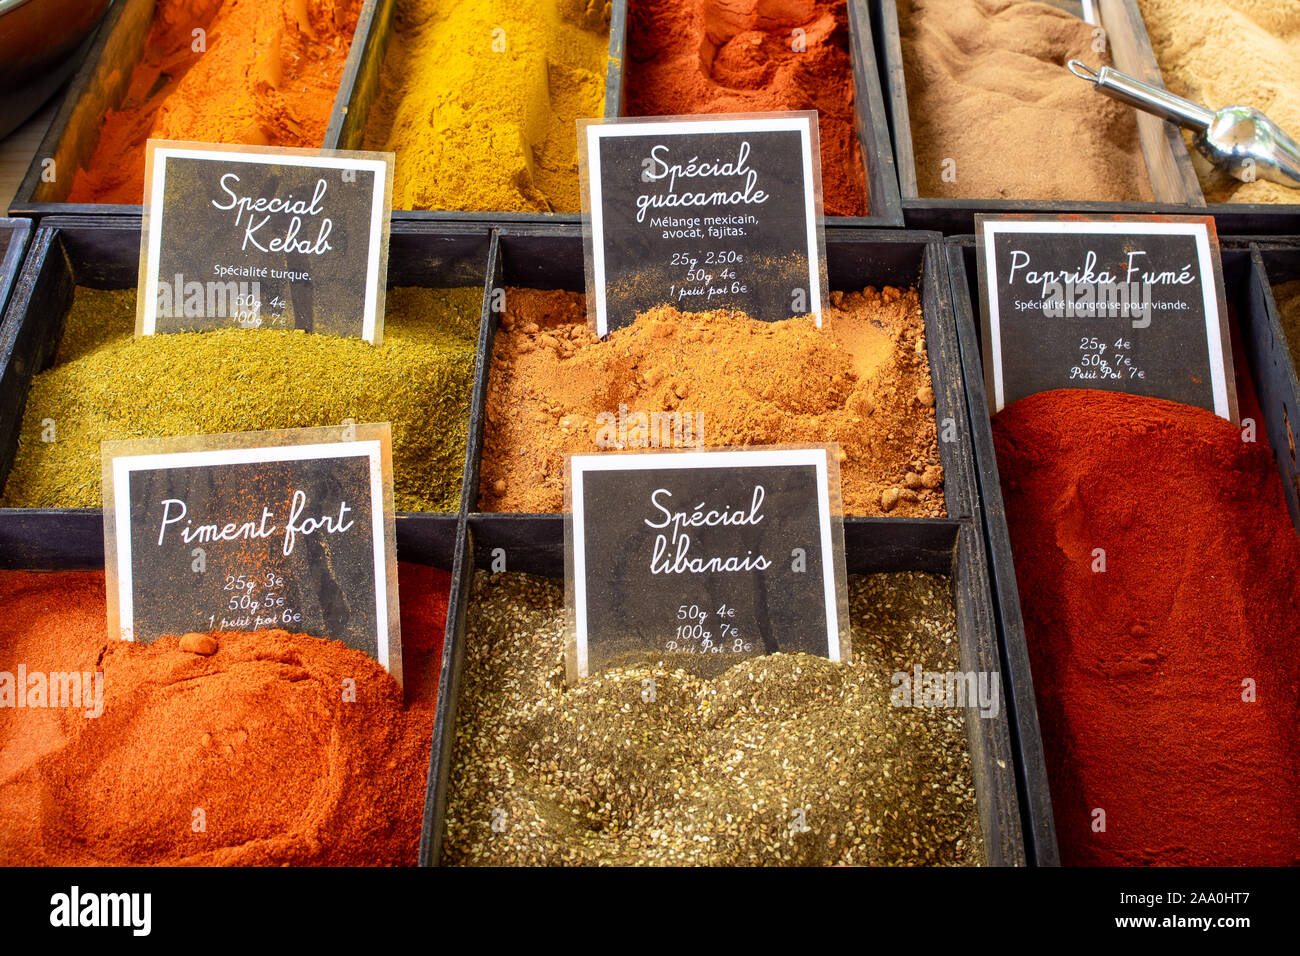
x=1127 y=305
x=264 y=238
x=703 y=558
x=702 y=213
x=253 y=531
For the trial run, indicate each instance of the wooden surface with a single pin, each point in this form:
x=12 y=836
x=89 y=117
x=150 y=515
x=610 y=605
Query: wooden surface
x=18 y=148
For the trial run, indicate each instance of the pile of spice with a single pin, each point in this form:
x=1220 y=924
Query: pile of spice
x=259 y=72
x=1168 y=683
x=246 y=754
x=788 y=759
x=1231 y=53
x=721 y=56
x=479 y=98
x=1287 y=296
x=719 y=379
x=105 y=385
x=996 y=115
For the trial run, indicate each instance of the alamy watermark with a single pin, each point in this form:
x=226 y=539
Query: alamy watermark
x=627 y=429
x=951 y=689
x=77 y=689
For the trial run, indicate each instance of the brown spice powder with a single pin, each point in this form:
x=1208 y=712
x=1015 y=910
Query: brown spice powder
x=862 y=380
x=787 y=759
x=996 y=115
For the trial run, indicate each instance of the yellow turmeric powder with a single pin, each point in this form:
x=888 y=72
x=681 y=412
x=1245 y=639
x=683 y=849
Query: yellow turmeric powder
x=479 y=99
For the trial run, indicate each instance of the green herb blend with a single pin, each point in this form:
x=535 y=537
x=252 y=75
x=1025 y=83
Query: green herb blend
x=106 y=385
x=787 y=759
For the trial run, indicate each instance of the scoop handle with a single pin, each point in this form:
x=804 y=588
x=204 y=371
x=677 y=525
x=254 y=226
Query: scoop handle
x=1144 y=96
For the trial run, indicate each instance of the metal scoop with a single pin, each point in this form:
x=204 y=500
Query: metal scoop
x=1238 y=139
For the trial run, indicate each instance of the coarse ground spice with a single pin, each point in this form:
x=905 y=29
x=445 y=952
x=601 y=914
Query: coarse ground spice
x=106 y=385
x=747 y=56
x=266 y=73
x=479 y=100
x=1141 y=670
x=862 y=380
x=256 y=735
x=710 y=771
x=1287 y=296
x=996 y=115
x=1231 y=53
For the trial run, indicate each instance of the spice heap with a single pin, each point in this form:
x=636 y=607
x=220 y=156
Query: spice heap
x=709 y=771
x=260 y=72
x=1288 y=304
x=1168 y=685
x=241 y=751
x=862 y=380
x=724 y=56
x=478 y=99
x=995 y=114
x=106 y=385
x=1229 y=53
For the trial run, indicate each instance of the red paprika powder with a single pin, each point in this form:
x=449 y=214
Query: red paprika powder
x=747 y=56
x=1159 y=575
x=251 y=755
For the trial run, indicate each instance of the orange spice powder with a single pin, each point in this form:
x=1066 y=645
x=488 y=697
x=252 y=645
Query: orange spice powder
x=246 y=756
x=255 y=72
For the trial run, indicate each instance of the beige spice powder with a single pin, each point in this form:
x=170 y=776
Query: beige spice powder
x=995 y=114
x=1231 y=53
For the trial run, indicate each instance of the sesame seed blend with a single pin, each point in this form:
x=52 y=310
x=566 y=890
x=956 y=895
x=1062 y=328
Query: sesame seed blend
x=781 y=760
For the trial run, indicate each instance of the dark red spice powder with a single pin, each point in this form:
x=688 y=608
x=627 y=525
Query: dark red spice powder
x=1139 y=670
x=249 y=756
x=743 y=56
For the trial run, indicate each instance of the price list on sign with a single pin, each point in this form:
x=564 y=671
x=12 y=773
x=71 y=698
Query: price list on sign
x=706 y=557
x=1130 y=305
x=253 y=531
x=703 y=213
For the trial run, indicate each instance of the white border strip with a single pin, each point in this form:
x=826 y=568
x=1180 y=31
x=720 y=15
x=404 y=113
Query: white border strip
x=1209 y=289
x=581 y=464
x=157 y=207
x=124 y=465
x=598 y=131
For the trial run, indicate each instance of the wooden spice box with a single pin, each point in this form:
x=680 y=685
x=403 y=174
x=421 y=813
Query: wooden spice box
x=101 y=82
x=551 y=257
x=100 y=85
x=362 y=82
x=1169 y=165
x=103 y=252
x=348 y=122
x=1246 y=280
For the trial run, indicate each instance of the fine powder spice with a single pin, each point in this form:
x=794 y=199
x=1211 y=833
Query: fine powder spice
x=1168 y=685
x=246 y=756
x=1287 y=296
x=710 y=771
x=752 y=56
x=107 y=385
x=1231 y=53
x=479 y=100
x=262 y=73
x=996 y=114
x=725 y=380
